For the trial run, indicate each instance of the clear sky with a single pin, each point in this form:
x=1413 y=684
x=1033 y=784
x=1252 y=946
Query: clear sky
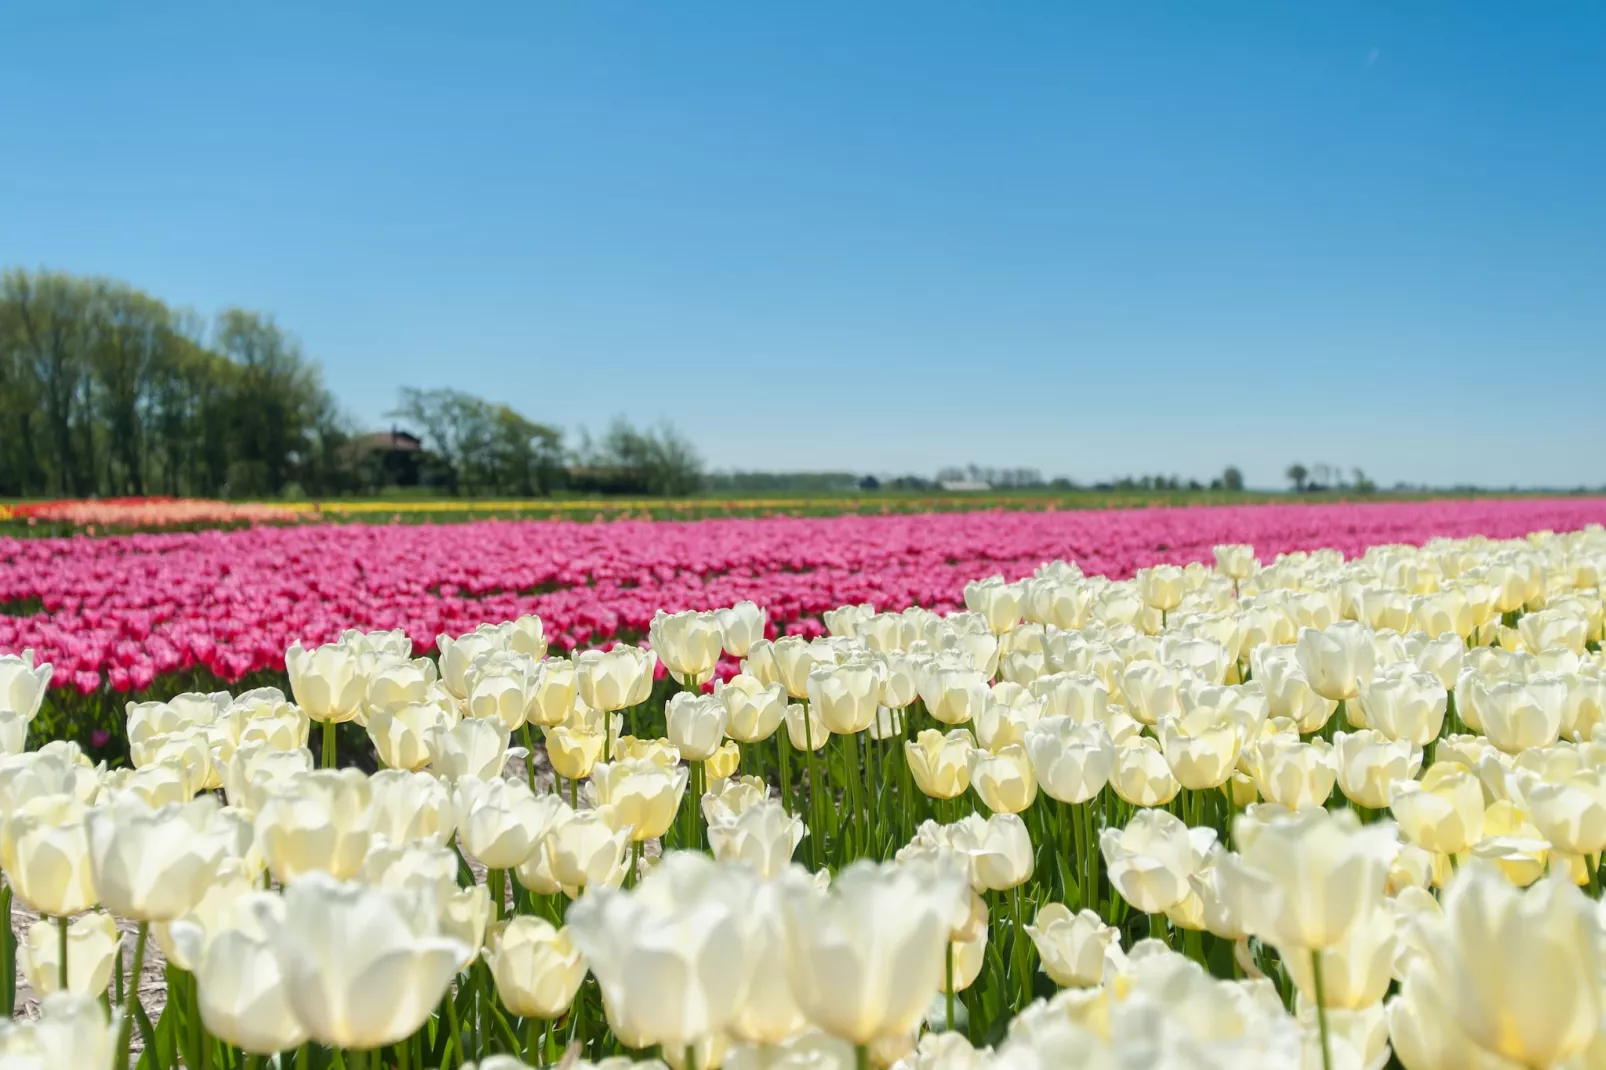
x=1092 y=238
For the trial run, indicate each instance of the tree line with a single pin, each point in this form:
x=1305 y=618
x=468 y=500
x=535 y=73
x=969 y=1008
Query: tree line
x=106 y=390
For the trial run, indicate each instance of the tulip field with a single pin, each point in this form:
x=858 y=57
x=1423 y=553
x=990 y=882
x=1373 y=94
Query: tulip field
x=1281 y=787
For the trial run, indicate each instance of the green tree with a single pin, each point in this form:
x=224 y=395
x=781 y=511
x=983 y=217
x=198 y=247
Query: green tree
x=1297 y=475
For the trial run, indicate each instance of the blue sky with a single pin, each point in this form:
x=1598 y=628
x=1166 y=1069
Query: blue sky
x=1092 y=238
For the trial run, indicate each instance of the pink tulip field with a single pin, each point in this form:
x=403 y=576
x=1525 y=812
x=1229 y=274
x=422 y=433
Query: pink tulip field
x=120 y=613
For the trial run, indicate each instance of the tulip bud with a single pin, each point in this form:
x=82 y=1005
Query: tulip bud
x=1337 y=660
x=401 y=734
x=152 y=865
x=92 y=942
x=44 y=849
x=695 y=724
x=875 y=922
x=321 y=821
x=1003 y=781
x=398 y=681
x=727 y=799
x=1139 y=772
x=687 y=643
x=475 y=749
x=1291 y=773
x=22 y=684
x=954 y=695
x=1150 y=860
x=940 y=763
x=536 y=967
x=1404 y=703
x=585 y=849
x=1236 y=561
x=501 y=822
x=1072 y=761
x=614 y=679
x=846 y=696
x=327 y=681
x=504 y=687
x=1072 y=947
x=753 y=710
x=762 y=837
x=1160 y=587
x=336 y=941
x=1522 y=967
x=1520 y=715
x=999 y=850
x=644 y=795
x=1369 y=764
x=805 y=731
x=998 y=603
x=740 y=627
x=1201 y=747
x=572 y=751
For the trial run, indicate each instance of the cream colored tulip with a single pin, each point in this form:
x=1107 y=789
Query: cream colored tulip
x=740 y=627
x=1236 y=560
x=1424 y=1034
x=1518 y=715
x=457 y=655
x=997 y=602
x=1369 y=764
x=1288 y=691
x=1160 y=587
x=805 y=731
x=152 y=865
x=759 y=663
x=1383 y=607
x=1512 y=843
x=363 y=967
x=400 y=734
x=846 y=696
x=1337 y=660
x=155 y=785
x=1522 y=968
x=1003 y=781
x=320 y=822
x=1001 y=723
x=867 y=955
x=256 y=768
x=475 y=748
x=327 y=681
x=729 y=798
x=399 y=681
x=999 y=850
x=281 y=727
x=44 y=849
x=614 y=679
x=1073 y=948
x=1151 y=690
x=242 y=987
x=753 y=710
x=1570 y=814
x=1443 y=812
x=1404 y=703
x=554 y=693
x=768 y=1014
x=1201 y=747
x=1356 y=971
x=1150 y=860
x=1081 y=697
x=761 y=837
x=587 y=848
x=1291 y=773
x=503 y=686
x=412 y=865
x=501 y=822
x=940 y=763
x=954 y=695
x=1553 y=628
x=1072 y=761
x=1302 y=881
x=695 y=724
x=537 y=968
x=572 y=752
x=92 y=942
x=794 y=658
x=1139 y=773
x=688 y=643
x=23 y=684
x=673 y=957
x=644 y=795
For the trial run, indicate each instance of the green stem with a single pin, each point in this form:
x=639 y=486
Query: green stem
x=253 y=1061
x=812 y=792
x=631 y=874
x=1157 y=928
x=328 y=744
x=454 y=1042
x=949 y=986
x=861 y=1057
x=529 y=759
x=496 y=884
x=786 y=775
x=61 y=951
x=691 y=1057
x=125 y=1029
x=1592 y=867
x=1321 y=1009
x=574 y=795
x=1018 y=945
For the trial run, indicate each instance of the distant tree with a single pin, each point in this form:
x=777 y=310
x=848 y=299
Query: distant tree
x=1297 y=475
x=1232 y=479
x=1363 y=483
x=869 y=483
